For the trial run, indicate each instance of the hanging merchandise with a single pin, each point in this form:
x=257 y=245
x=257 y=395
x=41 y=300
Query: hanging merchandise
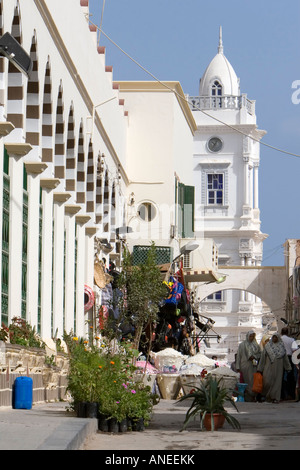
x=176 y=289
x=103 y=316
x=89 y=297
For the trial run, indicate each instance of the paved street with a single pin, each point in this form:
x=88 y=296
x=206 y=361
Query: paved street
x=264 y=427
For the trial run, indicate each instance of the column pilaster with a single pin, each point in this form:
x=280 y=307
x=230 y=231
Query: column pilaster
x=15 y=151
x=47 y=185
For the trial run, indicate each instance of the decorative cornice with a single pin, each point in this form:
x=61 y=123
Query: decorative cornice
x=6 y=128
x=35 y=168
x=17 y=149
x=82 y=219
x=72 y=209
x=91 y=230
x=61 y=197
x=49 y=183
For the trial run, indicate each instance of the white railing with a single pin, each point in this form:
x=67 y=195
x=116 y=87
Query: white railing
x=221 y=102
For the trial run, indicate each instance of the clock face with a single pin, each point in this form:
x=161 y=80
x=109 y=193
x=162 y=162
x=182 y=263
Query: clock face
x=215 y=144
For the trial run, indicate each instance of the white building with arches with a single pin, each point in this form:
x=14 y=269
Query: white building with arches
x=82 y=157
x=63 y=150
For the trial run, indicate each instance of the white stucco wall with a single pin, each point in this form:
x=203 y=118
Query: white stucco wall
x=159 y=148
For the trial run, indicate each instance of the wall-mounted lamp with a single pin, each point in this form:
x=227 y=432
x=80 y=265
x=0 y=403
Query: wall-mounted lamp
x=14 y=52
x=221 y=279
x=191 y=246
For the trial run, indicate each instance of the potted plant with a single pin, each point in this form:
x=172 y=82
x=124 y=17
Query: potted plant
x=140 y=406
x=208 y=403
x=84 y=379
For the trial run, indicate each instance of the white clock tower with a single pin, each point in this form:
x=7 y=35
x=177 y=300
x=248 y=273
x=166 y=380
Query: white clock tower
x=226 y=164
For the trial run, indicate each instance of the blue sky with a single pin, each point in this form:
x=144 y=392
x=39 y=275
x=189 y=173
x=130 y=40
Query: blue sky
x=176 y=40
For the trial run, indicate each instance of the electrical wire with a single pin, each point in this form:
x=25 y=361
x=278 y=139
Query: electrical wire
x=274 y=251
x=100 y=27
x=192 y=104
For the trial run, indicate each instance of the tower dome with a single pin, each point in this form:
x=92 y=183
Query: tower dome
x=219 y=79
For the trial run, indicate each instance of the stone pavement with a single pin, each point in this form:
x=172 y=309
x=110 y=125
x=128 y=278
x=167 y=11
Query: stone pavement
x=50 y=426
x=264 y=426
x=47 y=426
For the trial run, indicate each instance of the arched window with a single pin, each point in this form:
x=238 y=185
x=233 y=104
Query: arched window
x=216 y=93
x=216 y=89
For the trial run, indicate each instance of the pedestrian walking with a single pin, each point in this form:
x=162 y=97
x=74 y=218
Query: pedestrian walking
x=272 y=364
x=248 y=355
x=265 y=339
x=296 y=363
x=288 y=380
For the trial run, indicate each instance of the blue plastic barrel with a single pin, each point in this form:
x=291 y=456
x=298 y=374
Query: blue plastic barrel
x=23 y=393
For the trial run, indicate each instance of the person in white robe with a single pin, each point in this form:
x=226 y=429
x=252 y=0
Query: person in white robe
x=248 y=355
x=272 y=364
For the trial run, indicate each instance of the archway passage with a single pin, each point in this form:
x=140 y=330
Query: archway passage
x=266 y=282
x=223 y=318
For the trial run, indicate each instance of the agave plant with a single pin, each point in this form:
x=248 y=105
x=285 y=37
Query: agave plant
x=209 y=398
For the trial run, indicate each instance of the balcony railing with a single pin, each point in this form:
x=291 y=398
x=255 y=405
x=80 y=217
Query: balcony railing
x=221 y=102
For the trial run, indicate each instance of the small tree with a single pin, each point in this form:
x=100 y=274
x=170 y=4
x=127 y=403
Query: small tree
x=143 y=290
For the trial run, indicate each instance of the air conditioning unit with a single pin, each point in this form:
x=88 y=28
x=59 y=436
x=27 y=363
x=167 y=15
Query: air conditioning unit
x=205 y=257
x=187 y=261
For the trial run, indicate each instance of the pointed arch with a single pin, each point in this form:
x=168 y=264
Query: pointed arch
x=33 y=107
x=2 y=80
x=47 y=124
x=106 y=204
x=80 y=179
x=216 y=88
x=99 y=190
x=70 y=157
x=15 y=89
x=113 y=210
x=59 y=156
x=90 y=185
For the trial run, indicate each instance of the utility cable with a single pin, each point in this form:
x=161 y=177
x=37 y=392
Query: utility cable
x=100 y=27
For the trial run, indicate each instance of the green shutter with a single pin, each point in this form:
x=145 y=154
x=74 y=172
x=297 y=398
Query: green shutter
x=5 y=162
x=5 y=249
x=186 y=209
x=180 y=202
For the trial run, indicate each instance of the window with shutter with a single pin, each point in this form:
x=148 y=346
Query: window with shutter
x=186 y=209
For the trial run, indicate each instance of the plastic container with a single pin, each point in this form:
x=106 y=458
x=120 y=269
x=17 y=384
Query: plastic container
x=23 y=387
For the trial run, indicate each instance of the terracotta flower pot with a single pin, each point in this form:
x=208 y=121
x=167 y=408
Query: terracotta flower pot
x=218 y=418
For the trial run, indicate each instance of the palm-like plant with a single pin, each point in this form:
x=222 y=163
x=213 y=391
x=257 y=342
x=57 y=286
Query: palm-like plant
x=209 y=398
